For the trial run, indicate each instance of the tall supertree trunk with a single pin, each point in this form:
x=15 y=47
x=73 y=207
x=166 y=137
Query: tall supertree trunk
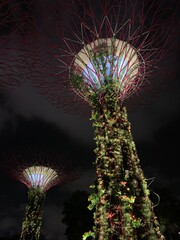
x=142 y=206
x=33 y=218
x=123 y=209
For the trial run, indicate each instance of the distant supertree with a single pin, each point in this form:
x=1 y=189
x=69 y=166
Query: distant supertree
x=110 y=49
x=39 y=170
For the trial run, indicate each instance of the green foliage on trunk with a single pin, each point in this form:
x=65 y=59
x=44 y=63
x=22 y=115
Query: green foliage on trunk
x=122 y=208
x=33 y=217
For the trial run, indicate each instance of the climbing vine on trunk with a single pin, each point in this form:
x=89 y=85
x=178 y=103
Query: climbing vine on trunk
x=122 y=208
x=33 y=218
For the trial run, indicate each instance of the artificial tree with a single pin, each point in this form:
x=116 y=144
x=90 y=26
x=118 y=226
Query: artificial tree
x=39 y=170
x=104 y=72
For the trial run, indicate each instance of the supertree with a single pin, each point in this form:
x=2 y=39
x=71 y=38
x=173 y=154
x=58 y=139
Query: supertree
x=39 y=169
x=110 y=49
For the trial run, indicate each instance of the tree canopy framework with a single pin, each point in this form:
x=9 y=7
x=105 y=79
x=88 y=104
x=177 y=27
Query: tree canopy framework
x=146 y=25
x=39 y=170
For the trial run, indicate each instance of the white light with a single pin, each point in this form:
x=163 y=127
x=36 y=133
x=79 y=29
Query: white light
x=118 y=70
x=37 y=178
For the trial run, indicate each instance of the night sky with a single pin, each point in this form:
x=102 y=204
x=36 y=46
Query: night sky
x=28 y=118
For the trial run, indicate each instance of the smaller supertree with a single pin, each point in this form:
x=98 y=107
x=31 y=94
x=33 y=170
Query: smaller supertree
x=39 y=170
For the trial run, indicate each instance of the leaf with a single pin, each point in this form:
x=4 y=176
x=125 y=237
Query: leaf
x=88 y=234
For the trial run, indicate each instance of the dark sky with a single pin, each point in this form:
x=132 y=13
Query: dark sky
x=29 y=118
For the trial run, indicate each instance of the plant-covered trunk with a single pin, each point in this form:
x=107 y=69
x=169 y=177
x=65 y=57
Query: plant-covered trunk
x=123 y=209
x=33 y=217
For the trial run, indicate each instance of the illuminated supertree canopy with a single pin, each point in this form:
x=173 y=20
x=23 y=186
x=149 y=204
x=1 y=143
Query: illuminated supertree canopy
x=39 y=177
x=115 y=40
x=39 y=170
x=133 y=37
x=109 y=50
x=109 y=61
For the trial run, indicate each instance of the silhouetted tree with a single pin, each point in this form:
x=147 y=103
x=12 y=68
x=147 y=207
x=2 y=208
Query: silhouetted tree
x=76 y=215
